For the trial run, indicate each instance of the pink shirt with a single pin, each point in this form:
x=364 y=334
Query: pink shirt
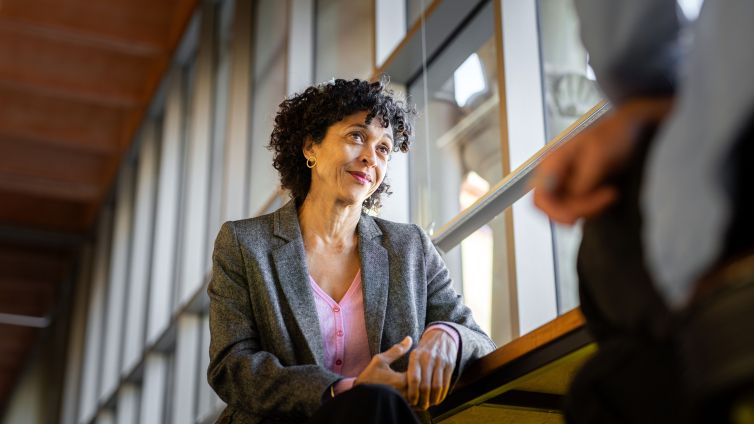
x=344 y=332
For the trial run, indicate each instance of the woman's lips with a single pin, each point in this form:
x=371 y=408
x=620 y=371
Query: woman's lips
x=360 y=177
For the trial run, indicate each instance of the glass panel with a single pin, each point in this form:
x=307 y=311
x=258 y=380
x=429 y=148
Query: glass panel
x=484 y=271
x=128 y=404
x=166 y=213
x=569 y=85
x=186 y=360
x=457 y=158
x=117 y=283
x=570 y=91
x=95 y=318
x=188 y=99
x=222 y=38
x=268 y=89
x=141 y=248
x=457 y=149
x=690 y=8
x=345 y=38
x=155 y=386
x=207 y=399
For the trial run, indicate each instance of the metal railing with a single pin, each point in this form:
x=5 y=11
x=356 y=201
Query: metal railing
x=511 y=188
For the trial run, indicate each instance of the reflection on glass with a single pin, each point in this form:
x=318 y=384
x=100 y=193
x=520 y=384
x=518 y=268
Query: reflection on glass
x=569 y=86
x=458 y=131
x=269 y=85
x=485 y=279
x=690 y=8
x=570 y=91
x=457 y=158
x=476 y=255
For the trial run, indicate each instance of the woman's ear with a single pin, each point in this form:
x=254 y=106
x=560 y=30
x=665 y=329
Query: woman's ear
x=308 y=147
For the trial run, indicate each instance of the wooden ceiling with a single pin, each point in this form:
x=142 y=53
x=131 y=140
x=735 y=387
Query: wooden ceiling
x=76 y=77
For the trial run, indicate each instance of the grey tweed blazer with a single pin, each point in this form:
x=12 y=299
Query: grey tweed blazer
x=266 y=351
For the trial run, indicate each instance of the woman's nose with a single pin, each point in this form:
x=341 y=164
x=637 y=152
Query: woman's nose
x=368 y=157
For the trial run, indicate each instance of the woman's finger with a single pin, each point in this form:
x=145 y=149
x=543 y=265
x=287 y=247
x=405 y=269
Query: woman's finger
x=447 y=376
x=438 y=379
x=413 y=379
x=396 y=351
x=425 y=386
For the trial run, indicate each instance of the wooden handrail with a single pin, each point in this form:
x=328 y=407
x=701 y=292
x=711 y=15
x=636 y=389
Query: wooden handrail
x=547 y=333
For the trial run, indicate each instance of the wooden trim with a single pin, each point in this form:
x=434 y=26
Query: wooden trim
x=549 y=332
x=83 y=38
x=501 y=90
x=563 y=341
x=41 y=88
x=510 y=249
x=574 y=347
x=506 y=168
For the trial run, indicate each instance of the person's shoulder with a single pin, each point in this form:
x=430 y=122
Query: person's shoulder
x=254 y=222
x=254 y=230
x=399 y=230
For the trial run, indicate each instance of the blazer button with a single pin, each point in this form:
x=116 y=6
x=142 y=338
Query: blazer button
x=338 y=362
x=336 y=309
x=340 y=333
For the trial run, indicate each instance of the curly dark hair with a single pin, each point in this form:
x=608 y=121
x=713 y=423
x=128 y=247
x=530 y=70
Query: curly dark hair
x=312 y=112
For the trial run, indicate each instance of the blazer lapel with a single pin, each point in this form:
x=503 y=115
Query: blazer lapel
x=375 y=280
x=290 y=264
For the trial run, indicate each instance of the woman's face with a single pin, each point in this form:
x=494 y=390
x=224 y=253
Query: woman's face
x=351 y=159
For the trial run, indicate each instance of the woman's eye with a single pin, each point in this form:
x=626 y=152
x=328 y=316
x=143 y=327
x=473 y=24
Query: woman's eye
x=384 y=150
x=357 y=137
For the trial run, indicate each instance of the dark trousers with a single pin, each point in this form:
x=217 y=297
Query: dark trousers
x=365 y=404
x=654 y=365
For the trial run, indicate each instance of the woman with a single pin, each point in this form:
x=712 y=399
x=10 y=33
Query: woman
x=315 y=307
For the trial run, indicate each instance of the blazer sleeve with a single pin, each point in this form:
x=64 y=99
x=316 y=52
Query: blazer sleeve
x=444 y=305
x=240 y=371
x=634 y=45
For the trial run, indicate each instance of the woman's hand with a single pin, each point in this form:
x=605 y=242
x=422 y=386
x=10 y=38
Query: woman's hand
x=379 y=372
x=430 y=367
x=573 y=181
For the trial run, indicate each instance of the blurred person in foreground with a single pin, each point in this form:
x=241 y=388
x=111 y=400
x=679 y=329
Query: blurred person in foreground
x=666 y=264
x=315 y=307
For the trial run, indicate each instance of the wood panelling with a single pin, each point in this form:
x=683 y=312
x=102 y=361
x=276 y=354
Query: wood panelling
x=141 y=22
x=60 y=122
x=44 y=213
x=76 y=78
x=566 y=323
x=74 y=70
x=51 y=171
x=29 y=158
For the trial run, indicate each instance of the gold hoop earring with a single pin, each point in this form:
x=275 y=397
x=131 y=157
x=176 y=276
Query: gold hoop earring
x=311 y=162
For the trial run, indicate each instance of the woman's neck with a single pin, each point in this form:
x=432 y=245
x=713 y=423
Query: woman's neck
x=327 y=222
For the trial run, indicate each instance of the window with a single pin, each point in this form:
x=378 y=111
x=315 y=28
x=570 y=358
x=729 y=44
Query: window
x=570 y=91
x=268 y=90
x=457 y=158
x=457 y=154
x=344 y=39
